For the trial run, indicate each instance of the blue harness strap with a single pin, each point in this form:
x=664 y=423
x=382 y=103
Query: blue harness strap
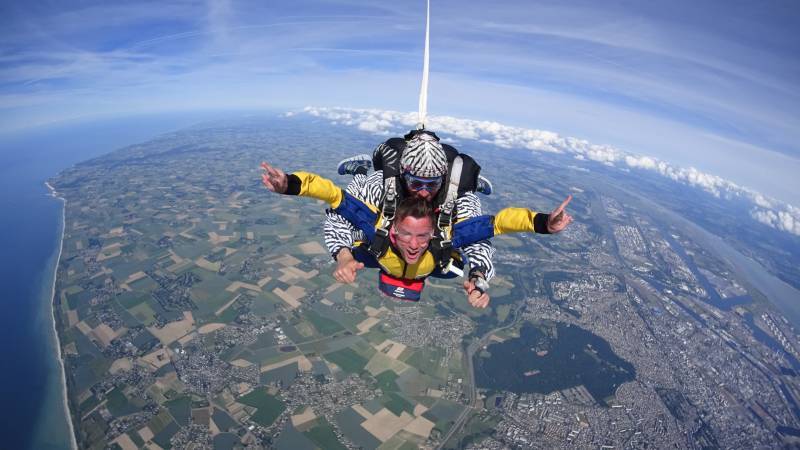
x=359 y=214
x=472 y=230
x=362 y=255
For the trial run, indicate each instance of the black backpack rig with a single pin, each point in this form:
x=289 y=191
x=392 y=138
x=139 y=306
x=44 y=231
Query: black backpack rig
x=462 y=176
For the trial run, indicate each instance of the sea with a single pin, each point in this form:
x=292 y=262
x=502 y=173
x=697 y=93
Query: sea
x=31 y=390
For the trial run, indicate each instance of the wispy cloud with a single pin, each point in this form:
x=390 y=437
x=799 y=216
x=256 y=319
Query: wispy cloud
x=779 y=215
x=722 y=81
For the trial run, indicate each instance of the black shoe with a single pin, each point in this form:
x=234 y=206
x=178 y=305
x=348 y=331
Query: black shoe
x=484 y=185
x=359 y=164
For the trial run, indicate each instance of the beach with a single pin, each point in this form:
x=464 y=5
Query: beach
x=56 y=341
x=31 y=235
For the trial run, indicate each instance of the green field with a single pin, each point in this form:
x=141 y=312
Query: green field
x=131 y=299
x=88 y=404
x=402 y=441
x=324 y=326
x=323 y=435
x=209 y=294
x=127 y=318
x=180 y=408
x=380 y=363
x=269 y=407
x=80 y=301
x=348 y=360
x=305 y=329
x=160 y=422
x=163 y=437
x=477 y=428
x=144 y=285
x=443 y=413
x=502 y=311
x=347 y=320
x=223 y=420
x=386 y=381
x=376 y=336
x=124 y=267
x=396 y=403
x=265 y=303
x=329 y=346
x=349 y=423
x=412 y=382
x=118 y=404
x=143 y=313
x=428 y=361
x=227 y=316
x=189 y=249
x=72 y=290
x=136 y=438
x=100 y=366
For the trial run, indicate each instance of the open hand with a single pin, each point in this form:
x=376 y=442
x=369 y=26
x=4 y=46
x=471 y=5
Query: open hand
x=475 y=297
x=559 y=219
x=274 y=179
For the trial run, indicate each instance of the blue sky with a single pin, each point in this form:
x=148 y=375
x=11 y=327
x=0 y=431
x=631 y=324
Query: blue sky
x=714 y=85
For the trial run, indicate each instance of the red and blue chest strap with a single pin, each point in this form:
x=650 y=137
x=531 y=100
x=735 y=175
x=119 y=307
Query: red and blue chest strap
x=388 y=284
x=401 y=288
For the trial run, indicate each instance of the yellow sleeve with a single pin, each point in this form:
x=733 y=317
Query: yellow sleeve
x=315 y=186
x=514 y=220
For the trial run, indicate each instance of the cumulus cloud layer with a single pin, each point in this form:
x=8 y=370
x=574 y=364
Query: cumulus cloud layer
x=776 y=214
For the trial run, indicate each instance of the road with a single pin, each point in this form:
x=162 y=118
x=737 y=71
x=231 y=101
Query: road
x=473 y=402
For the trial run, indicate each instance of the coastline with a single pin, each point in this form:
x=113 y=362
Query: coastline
x=57 y=339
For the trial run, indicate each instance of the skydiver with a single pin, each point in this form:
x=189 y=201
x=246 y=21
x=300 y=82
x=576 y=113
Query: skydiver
x=417 y=165
x=408 y=261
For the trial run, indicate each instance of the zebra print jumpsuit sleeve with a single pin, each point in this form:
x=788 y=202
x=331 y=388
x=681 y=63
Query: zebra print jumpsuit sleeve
x=480 y=253
x=339 y=232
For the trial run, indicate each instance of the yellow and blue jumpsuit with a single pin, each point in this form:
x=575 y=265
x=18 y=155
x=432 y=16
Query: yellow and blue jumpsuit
x=395 y=272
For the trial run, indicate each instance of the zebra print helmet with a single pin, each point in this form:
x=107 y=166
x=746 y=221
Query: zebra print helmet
x=424 y=156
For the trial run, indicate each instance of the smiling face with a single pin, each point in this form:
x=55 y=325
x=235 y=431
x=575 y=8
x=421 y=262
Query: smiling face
x=411 y=236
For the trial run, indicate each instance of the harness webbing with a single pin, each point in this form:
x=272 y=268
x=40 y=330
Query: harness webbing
x=380 y=242
x=452 y=185
x=441 y=246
